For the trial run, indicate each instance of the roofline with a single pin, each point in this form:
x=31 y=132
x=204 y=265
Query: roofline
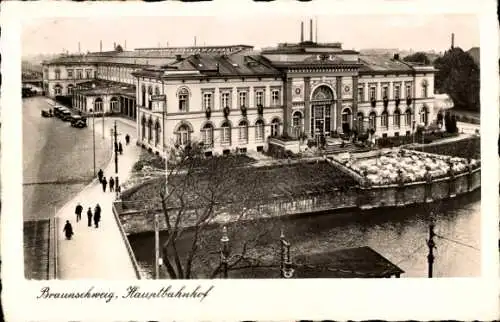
x=160 y=75
x=192 y=47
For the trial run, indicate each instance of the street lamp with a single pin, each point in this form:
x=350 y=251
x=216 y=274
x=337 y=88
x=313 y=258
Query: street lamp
x=93 y=137
x=224 y=254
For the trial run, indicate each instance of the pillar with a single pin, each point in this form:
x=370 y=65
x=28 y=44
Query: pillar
x=336 y=121
x=307 y=106
x=354 y=100
x=287 y=106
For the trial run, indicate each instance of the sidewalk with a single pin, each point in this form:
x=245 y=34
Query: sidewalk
x=97 y=253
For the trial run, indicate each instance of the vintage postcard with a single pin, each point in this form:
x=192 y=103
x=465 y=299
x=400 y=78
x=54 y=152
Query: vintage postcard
x=328 y=161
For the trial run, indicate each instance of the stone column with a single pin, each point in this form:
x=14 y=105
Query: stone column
x=307 y=106
x=287 y=106
x=337 y=120
x=354 y=100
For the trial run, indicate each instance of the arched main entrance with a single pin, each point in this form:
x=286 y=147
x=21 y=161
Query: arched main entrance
x=321 y=104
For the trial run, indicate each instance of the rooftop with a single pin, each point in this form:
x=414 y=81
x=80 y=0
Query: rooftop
x=382 y=63
x=103 y=87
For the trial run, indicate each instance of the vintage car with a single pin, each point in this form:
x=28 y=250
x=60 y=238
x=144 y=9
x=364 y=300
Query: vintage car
x=78 y=121
x=47 y=113
x=57 y=111
x=66 y=115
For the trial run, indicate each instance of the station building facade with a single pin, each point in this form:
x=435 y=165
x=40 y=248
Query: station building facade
x=235 y=102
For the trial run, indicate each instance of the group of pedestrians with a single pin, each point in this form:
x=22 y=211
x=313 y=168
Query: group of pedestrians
x=113 y=183
x=96 y=216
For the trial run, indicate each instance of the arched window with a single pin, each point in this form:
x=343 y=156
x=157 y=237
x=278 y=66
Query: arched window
x=157 y=132
x=157 y=90
x=98 y=105
x=150 y=102
x=384 y=119
x=423 y=115
x=346 y=120
x=372 y=121
x=183 y=135
x=243 y=130
x=143 y=126
x=275 y=127
x=297 y=123
x=259 y=130
x=183 y=100
x=114 y=104
x=226 y=133
x=207 y=135
x=143 y=95
x=397 y=118
x=150 y=129
x=58 y=90
x=408 y=117
x=361 y=120
x=71 y=87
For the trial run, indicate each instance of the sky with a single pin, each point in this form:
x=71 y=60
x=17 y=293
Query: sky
x=417 y=32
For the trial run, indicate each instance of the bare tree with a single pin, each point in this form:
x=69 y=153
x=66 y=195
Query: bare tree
x=203 y=195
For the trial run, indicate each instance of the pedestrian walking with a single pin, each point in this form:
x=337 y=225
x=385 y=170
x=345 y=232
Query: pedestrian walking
x=100 y=174
x=89 y=217
x=97 y=215
x=120 y=147
x=78 y=212
x=127 y=139
x=68 y=230
x=104 y=182
x=111 y=184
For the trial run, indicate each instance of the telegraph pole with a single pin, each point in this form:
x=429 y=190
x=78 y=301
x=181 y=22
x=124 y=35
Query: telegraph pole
x=157 y=247
x=431 y=245
x=116 y=149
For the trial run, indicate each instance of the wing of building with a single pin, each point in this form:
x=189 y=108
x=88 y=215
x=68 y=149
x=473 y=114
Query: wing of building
x=232 y=99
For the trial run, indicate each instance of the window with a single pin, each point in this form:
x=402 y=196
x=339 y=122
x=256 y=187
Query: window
x=373 y=93
x=397 y=91
x=361 y=94
x=384 y=119
x=157 y=90
x=150 y=102
x=226 y=133
x=361 y=120
x=259 y=98
x=95 y=74
x=183 y=100
x=58 y=74
x=243 y=129
x=385 y=92
x=259 y=130
x=183 y=135
x=157 y=133
x=397 y=118
x=88 y=73
x=143 y=127
x=57 y=90
x=70 y=89
x=98 y=104
x=150 y=129
x=408 y=90
x=408 y=118
x=114 y=104
x=79 y=73
x=297 y=123
x=70 y=73
x=423 y=115
x=207 y=101
x=275 y=97
x=243 y=99
x=207 y=135
x=275 y=127
x=424 y=89
x=143 y=95
x=346 y=115
x=372 y=120
x=224 y=100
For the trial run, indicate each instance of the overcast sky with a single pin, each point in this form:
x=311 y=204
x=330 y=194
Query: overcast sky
x=419 y=32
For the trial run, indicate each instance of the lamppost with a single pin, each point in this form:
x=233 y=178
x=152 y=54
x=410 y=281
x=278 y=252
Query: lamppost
x=224 y=253
x=93 y=137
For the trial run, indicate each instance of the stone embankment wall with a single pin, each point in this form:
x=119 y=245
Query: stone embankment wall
x=360 y=197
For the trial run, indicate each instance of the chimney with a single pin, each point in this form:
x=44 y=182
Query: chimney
x=301 y=31
x=396 y=56
x=452 y=40
x=100 y=46
x=311 y=30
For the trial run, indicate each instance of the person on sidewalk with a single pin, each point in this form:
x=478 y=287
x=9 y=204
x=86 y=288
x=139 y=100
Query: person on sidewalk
x=120 y=147
x=68 y=230
x=89 y=217
x=78 y=212
x=97 y=215
x=100 y=174
x=104 y=182
x=111 y=184
x=127 y=139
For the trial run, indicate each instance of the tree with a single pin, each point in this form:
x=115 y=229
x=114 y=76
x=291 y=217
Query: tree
x=118 y=48
x=418 y=57
x=458 y=76
x=202 y=193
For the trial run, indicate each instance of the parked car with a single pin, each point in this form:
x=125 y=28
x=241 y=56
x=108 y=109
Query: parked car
x=78 y=121
x=57 y=111
x=47 y=113
x=66 y=115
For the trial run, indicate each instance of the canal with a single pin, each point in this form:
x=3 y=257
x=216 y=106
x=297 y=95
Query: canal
x=399 y=234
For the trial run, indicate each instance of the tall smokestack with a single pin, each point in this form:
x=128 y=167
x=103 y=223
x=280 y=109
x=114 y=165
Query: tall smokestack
x=311 y=30
x=316 y=31
x=301 y=31
x=78 y=47
x=125 y=45
x=114 y=46
x=195 y=41
x=100 y=46
x=452 y=40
